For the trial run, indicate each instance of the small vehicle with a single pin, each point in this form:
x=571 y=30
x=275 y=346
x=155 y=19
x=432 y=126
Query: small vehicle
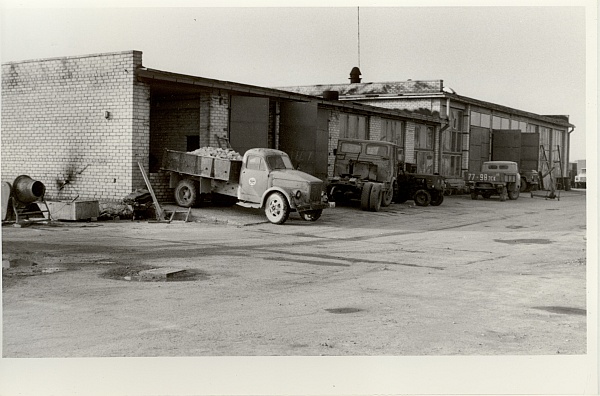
x=364 y=170
x=530 y=180
x=424 y=189
x=580 y=179
x=264 y=178
x=496 y=178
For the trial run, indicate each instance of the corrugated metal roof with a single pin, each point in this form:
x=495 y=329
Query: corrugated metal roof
x=159 y=76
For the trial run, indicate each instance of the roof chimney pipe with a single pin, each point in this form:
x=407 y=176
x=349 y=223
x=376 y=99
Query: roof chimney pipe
x=355 y=75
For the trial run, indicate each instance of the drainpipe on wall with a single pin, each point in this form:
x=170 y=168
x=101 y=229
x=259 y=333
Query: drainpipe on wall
x=568 y=156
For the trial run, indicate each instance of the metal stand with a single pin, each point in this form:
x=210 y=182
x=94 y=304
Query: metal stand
x=27 y=213
x=551 y=194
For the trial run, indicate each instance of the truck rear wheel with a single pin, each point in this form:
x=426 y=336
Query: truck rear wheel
x=375 y=198
x=437 y=198
x=365 y=196
x=311 y=215
x=524 y=185
x=422 y=198
x=186 y=193
x=513 y=194
x=277 y=208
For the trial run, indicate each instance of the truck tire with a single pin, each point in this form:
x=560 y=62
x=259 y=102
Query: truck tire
x=437 y=198
x=524 y=185
x=474 y=195
x=311 y=215
x=375 y=198
x=422 y=198
x=186 y=193
x=365 y=196
x=388 y=196
x=513 y=194
x=277 y=208
x=503 y=194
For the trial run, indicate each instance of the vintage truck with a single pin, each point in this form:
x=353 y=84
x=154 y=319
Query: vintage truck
x=264 y=178
x=424 y=189
x=364 y=170
x=496 y=178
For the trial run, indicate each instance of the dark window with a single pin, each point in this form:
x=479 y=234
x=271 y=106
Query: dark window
x=193 y=143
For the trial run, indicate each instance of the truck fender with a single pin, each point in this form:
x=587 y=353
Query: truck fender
x=285 y=193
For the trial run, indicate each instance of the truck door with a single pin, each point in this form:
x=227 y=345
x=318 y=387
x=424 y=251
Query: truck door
x=254 y=179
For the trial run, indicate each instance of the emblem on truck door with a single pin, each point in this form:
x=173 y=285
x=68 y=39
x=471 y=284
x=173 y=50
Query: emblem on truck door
x=252 y=181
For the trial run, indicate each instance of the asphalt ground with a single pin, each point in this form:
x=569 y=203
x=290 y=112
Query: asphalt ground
x=462 y=281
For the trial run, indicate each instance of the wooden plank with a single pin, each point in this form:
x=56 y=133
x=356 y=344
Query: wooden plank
x=159 y=212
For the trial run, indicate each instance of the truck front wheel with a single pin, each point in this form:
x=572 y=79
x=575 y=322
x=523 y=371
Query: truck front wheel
x=365 y=196
x=277 y=208
x=186 y=193
x=388 y=196
x=375 y=198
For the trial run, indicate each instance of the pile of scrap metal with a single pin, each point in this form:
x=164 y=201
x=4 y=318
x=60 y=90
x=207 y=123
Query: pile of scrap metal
x=140 y=203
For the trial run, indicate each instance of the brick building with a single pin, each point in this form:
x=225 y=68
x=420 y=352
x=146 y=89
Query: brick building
x=472 y=124
x=82 y=124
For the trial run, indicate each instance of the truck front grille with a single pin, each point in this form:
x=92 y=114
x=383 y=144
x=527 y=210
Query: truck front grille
x=315 y=191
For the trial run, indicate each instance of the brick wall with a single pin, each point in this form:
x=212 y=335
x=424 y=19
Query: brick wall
x=56 y=130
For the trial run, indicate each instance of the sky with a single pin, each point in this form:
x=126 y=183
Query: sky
x=531 y=57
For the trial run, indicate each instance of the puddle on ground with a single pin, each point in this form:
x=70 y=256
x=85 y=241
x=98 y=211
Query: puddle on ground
x=563 y=310
x=343 y=310
x=144 y=273
x=524 y=241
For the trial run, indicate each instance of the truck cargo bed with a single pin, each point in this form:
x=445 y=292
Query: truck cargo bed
x=201 y=166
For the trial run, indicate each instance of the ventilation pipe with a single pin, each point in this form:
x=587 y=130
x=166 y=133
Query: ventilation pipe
x=355 y=75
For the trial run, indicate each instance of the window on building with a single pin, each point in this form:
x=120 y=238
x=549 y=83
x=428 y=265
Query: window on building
x=423 y=137
x=500 y=123
x=393 y=131
x=532 y=128
x=354 y=126
x=485 y=120
x=452 y=141
x=456 y=119
x=475 y=118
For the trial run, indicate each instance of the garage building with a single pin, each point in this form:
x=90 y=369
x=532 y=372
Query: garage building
x=82 y=124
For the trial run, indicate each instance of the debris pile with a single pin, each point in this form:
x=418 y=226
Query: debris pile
x=217 y=153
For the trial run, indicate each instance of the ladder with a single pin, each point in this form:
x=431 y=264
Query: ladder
x=551 y=193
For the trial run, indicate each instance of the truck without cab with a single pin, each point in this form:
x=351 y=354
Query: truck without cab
x=264 y=178
x=364 y=170
x=496 y=178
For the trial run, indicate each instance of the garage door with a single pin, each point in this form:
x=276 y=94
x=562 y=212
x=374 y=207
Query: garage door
x=249 y=124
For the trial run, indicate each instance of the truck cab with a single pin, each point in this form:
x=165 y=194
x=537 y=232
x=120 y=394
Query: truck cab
x=580 y=179
x=268 y=180
x=364 y=170
x=496 y=178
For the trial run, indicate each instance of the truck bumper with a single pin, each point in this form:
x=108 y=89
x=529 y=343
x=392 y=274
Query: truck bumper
x=314 y=206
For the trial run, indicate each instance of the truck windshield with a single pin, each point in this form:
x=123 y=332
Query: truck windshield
x=279 y=162
x=376 y=149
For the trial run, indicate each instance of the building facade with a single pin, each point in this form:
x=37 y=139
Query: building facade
x=472 y=125
x=84 y=125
